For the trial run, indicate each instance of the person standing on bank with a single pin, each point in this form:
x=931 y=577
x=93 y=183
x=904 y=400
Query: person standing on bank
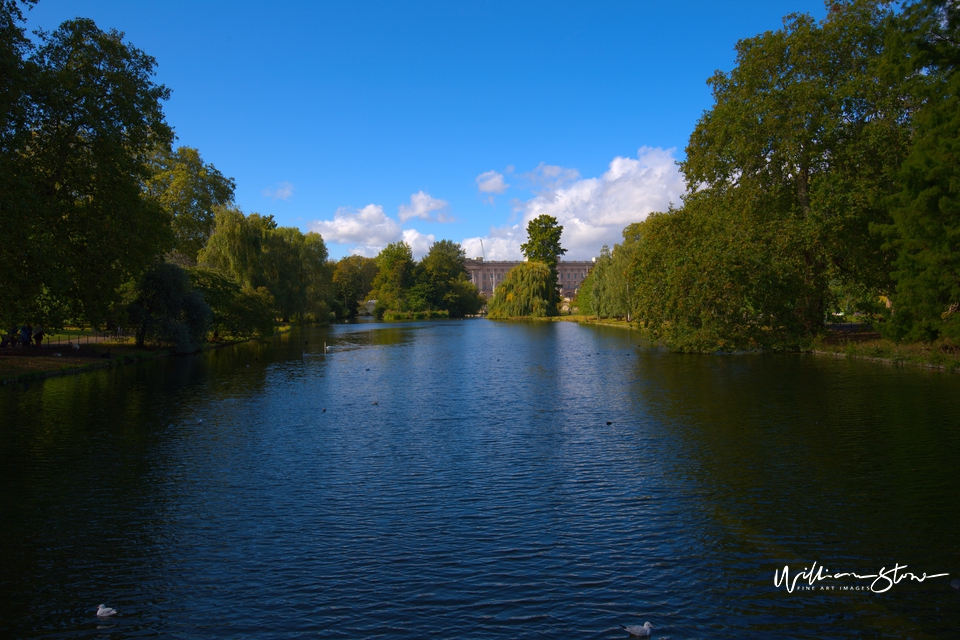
x=38 y=336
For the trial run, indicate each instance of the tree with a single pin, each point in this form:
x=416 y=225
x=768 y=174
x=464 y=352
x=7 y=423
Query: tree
x=543 y=241
x=925 y=230
x=543 y=245
x=169 y=310
x=81 y=118
x=396 y=276
x=17 y=215
x=787 y=171
x=347 y=286
x=238 y=312
x=256 y=253
x=353 y=278
x=235 y=246
x=189 y=191
x=446 y=282
x=528 y=290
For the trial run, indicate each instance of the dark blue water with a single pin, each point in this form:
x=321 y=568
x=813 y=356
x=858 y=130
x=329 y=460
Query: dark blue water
x=460 y=479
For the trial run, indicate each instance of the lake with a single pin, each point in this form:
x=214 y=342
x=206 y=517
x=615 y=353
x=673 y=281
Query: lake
x=480 y=479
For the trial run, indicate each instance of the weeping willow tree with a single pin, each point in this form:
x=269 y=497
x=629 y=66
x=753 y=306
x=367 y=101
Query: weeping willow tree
x=529 y=289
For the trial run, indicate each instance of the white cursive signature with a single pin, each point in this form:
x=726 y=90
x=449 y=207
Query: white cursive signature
x=882 y=581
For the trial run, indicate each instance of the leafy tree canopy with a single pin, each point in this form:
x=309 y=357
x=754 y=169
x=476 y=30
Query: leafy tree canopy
x=189 y=191
x=528 y=290
x=543 y=241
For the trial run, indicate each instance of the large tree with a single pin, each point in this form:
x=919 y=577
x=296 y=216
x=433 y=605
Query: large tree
x=353 y=278
x=395 y=279
x=17 y=214
x=189 y=190
x=787 y=171
x=529 y=290
x=256 y=253
x=444 y=273
x=543 y=241
x=81 y=115
x=925 y=231
x=543 y=245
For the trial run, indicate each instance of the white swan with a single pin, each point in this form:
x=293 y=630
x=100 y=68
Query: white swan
x=104 y=611
x=638 y=631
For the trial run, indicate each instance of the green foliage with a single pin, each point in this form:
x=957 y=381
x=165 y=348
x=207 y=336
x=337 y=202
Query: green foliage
x=353 y=278
x=168 y=310
x=585 y=296
x=925 y=231
x=237 y=312
x=703 y=285
x=80 y=116
x=438 y=283
x=787 y=171
x=189 y=191
x=529 y=289
x=256 y=253
x=445 y=282
x=543 y=241
x=426 y=314
x=543 y=246
x=395 y=278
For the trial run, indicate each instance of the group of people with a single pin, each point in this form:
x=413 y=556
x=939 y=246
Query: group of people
x=23 y=336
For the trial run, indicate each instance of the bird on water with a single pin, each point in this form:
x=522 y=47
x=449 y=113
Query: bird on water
x=104 y=611
x=638 y=631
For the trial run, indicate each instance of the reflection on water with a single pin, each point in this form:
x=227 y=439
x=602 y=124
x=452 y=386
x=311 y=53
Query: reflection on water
x=460 y=479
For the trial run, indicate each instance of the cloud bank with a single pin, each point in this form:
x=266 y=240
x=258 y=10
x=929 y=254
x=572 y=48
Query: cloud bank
x=593 y=211
x=369 y=229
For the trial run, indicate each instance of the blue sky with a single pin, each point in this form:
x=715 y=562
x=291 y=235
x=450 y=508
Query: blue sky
x=372 y=122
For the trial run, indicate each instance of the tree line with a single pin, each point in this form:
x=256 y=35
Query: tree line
x=823 y=182
x=106 y=223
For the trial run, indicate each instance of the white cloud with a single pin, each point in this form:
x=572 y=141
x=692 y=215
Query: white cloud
x=503 y=243
x=283 y=191
x=593 y=211
x=369 y=228
x=419 y=243
x=492 y=184
x=424 y=206
x=549 y=177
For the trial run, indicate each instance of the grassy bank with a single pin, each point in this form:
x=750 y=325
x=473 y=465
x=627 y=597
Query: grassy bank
x=20 y=365
x=868 y=346
x=934 y=355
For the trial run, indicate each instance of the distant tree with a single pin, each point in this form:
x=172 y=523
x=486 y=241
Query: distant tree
x=189 y=191
x=347 y=286
x=237 y=312
x=168 y=310
x=256 y=253
x=529 y=289
x=396 y=276
x=543 y=241
x=543 y=245
x=353 y=278
x=445 y=281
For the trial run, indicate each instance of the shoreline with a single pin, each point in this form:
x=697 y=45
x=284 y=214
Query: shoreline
x=126 y=354
x=884 y=351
